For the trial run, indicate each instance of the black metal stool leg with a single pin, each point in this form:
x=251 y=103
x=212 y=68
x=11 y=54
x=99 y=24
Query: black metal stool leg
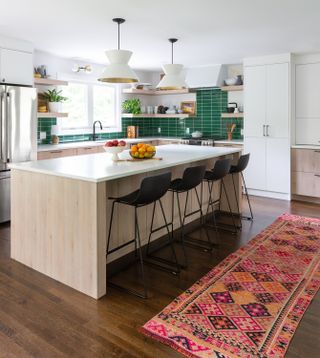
x=229 y=206
x=211 y=203
x=182 y=232
x=110 y=226
x=248 y=198
x=170 y=242
x=236 y=197
x=145 y=295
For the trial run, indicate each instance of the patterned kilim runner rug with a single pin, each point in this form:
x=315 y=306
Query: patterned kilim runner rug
x=251 y=303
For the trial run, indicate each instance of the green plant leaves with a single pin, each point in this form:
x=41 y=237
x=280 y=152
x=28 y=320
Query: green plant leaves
x=132 y=106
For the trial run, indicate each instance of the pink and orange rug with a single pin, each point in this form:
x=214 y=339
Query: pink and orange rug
x=251 y=303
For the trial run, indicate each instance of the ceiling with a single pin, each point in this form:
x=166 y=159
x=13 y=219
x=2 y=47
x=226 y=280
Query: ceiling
x=209 y=31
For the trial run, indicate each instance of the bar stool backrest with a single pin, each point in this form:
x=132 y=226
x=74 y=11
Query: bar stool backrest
x=221 y=169
x=153 y=188
x=242 y=163
x=192 y=177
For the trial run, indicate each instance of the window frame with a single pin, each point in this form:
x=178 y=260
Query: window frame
x=90 y=111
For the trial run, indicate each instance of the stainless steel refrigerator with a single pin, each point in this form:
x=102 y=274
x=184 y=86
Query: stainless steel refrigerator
x=18 y=136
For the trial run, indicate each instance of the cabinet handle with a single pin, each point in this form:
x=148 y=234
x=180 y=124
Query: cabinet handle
x=56 y=151
x=87 y=148
x=264 y=130
x=317 y=151
x=317 y=175
x=267 y=132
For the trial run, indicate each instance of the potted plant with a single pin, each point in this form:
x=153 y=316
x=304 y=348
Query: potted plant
x=132 y=106
x=55 y=99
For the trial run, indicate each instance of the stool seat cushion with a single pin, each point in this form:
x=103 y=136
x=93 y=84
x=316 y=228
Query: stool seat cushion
x=128 y=199
x=175 y=184
x=234 y=169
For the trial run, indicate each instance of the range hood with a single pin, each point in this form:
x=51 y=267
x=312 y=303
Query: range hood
x=206 y=76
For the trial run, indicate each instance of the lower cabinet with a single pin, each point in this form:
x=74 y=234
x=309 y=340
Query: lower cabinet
x=69 y=152
x=305 y=164
x=56 y=154
x=269 y=165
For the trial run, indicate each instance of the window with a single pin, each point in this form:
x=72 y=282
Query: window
x=87 y=103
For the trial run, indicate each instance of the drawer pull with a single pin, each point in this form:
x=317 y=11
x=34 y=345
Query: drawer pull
x=88 y=148
x=56 y=151
x=317 y=151
x=317 y=175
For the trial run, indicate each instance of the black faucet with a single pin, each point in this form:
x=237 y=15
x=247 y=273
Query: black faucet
x=94 y=135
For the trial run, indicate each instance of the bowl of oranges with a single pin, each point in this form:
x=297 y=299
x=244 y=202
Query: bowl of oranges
x=142 y=151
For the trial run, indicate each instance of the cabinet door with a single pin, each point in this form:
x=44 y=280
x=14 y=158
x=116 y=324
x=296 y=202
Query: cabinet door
x=255 y=173
x=56 y=154
x=278 y=165
x=16 y=67
x=254 y=100
x=277 y=107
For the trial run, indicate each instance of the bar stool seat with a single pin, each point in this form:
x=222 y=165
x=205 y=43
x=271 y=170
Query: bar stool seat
x=152 y=189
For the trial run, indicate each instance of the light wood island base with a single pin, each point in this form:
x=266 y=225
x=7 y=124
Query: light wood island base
x=59 y=225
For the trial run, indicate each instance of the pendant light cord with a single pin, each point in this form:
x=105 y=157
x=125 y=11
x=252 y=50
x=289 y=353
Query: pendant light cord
x=118 y=35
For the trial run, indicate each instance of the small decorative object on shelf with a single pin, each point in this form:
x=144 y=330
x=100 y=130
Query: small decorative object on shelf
x=132 y=106
x=188 y=107
x=40 y=72
x=230 y=129
x=54 y=134
x=54 y=99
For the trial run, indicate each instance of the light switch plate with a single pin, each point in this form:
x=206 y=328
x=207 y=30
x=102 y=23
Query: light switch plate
x=43 y=135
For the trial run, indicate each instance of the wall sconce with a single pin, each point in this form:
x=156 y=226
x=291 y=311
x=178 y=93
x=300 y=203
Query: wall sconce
x=86 y=68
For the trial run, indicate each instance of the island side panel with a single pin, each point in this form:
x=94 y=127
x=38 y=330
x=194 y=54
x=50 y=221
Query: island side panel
x=58 y=229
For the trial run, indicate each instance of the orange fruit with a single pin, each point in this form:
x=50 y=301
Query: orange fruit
x=139 y=145
x=150 y=149
x=142 y=149
x=134 y=148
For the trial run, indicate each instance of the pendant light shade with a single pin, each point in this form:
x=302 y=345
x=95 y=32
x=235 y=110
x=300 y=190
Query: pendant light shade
x=174 y=78
x=118 y=71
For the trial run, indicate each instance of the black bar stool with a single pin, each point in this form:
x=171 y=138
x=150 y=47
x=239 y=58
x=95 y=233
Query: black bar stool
x=238 y=169
x=220 y=170
x=152 y=189
x=191 y=179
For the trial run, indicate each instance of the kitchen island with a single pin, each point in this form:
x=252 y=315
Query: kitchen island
x=60 y=209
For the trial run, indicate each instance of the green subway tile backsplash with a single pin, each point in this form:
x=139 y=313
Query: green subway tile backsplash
x=210 y=104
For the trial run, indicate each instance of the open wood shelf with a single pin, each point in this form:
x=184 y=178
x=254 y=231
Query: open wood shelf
x=49 y=82
x=232 y=115
x=232 y=88
x=145 y=115
x=154 y=92
x=51 y=115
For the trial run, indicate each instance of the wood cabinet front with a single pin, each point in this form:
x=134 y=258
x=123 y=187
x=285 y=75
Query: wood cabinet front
x=56 y=154
x=89 y=150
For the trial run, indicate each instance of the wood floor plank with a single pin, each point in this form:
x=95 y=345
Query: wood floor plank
x=40 y=317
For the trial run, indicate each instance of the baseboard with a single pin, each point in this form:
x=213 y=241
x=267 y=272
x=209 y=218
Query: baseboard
x=269 y=194
x=308 y=199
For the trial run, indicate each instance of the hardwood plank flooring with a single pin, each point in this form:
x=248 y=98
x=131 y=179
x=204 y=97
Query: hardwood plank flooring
x=40 y=317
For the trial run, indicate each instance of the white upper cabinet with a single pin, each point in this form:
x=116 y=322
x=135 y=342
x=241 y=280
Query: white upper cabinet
x=307 y=89
x=277 y=100
x=255 y=100
x=16 y=67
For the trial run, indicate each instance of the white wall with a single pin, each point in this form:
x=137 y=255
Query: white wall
x=61 y=68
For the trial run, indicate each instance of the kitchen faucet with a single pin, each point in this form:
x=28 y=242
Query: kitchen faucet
x=94 y=135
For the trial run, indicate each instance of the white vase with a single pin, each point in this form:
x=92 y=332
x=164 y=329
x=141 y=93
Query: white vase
x=54 y=107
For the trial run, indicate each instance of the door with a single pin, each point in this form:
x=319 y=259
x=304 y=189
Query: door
x=21 y=108
x=278 y=165
x=277 y=108
x=254 y=100
x=255 y=174
x=16 y=67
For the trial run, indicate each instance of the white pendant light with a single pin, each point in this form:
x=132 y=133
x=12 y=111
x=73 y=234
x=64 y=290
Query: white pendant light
x=174 y=77
x=118 y=71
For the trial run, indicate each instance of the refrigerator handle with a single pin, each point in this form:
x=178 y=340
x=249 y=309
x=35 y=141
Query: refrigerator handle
x=7 y=155
x=3 y=136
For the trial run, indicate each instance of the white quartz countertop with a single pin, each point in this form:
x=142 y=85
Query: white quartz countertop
x=306 y=146
x=99 y=167
x=97 y=143
x=71 y=145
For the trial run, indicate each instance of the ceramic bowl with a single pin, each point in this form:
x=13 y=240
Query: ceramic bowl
x=114 y=151
x=230 y=81
x=196 y=134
